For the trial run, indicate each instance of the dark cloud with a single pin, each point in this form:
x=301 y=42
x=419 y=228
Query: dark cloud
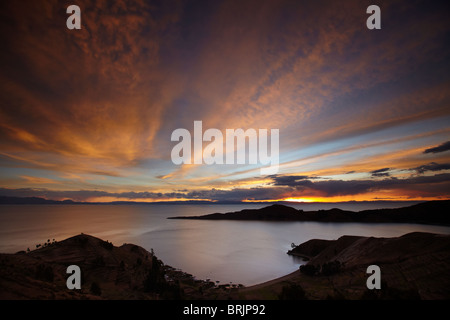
x=213 y=194
x=239 y=194
x=380 y=172
x=432 y=166
x=329 y=188
x=289 y=180
x=440 y=148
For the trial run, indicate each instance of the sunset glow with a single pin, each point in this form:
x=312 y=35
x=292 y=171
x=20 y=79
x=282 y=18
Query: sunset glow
x=300 y=200
x=87 y=115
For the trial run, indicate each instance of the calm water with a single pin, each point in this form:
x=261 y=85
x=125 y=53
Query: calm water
x=246 y=252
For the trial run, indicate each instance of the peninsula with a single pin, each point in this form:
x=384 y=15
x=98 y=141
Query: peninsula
x=430 y=212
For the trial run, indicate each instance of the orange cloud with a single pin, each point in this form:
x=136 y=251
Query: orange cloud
x=93 y=93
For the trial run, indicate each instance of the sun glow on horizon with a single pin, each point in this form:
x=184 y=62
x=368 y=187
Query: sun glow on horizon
x=300 y=200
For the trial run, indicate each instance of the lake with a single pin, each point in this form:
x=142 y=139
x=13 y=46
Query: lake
x=246 y=252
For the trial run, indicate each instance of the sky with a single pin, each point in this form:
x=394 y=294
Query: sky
x=87 y=115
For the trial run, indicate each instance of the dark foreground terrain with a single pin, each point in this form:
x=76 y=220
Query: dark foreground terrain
x=414 y=266
x=107 y=272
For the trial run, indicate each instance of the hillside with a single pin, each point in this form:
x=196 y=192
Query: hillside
x=413 y=266
x=108 y=272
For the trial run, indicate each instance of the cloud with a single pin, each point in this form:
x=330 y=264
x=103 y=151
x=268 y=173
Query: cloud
x=432 y=166
x=103 y=100
x=87 y=195
x=432 y=186
x=380 y=172
x=96 y=94
x=440 y=148
x=329 y=188
x=289 y=180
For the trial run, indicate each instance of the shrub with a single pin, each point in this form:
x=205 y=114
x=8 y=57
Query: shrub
x=331 y=268
x=107 y=245
x=309 y=269
x=292 y=292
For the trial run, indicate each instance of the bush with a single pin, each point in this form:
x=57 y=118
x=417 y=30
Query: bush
x=292 y=292
x=309 y=269
x=331 y=268
x=107 y=245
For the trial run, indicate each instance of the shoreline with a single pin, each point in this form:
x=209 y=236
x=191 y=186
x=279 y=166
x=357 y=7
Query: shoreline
x=286 y=277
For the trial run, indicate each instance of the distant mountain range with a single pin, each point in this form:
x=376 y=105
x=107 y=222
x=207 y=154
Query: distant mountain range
x=38 y=200
x=32 y=200
x=431 y=212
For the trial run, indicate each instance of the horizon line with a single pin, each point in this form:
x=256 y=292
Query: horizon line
x=40 y=200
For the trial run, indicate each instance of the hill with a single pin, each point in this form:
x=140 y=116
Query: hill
x=32 y=200
x=108 y=272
